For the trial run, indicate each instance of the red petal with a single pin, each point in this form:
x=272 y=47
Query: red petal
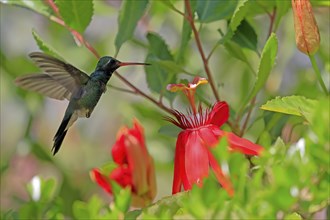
x=118 y=151
x=98 y=177
x=209 y=136
x=122 y=176
x=223 y=180
x=219 y=114
x=242 y=145
x=137 y=131
x=196 y=159
x=179 y=162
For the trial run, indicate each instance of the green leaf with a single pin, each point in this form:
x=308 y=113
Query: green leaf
x=185 y=34
x=158 y=46
x=282 y=7
x=157 y=76
x=292 y=105
x=210 y=10
x=265 y=66
x=293 y=216
x=245 y=36
x=170 y=204
x=76 y=14
x=239 y=14
x=185 y=37
x=36 y=5
x=122 y=197
x=80 y=210
x=43 y=46
x=236 y=51
x=129 y=15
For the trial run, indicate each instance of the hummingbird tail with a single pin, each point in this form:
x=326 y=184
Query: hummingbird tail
x=58 y=142
x=60 y=134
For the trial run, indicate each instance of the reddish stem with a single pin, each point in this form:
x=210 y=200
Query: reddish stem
x=190 y=19
x=158 y=103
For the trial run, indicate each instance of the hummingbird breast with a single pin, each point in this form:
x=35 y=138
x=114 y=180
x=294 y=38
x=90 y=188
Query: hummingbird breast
x=90 y=96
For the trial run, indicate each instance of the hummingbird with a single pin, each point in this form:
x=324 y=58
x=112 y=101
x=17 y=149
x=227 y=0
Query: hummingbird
x=61 y=80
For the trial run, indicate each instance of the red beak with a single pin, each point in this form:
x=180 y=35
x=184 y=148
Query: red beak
x=131 y=64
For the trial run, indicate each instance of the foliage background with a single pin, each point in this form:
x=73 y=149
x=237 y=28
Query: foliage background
x=29 y=121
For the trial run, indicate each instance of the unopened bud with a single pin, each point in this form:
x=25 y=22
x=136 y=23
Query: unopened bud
x=306 y=30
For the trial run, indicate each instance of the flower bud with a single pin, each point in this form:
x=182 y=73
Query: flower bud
x=306 y=29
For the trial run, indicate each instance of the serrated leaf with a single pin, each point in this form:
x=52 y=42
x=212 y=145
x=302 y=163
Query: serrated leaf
x=292 y=105
x=265 y=66
x=239 y=14
x=76 y=14
x=157 y=76
x=245 y=36
x=210 y=10
x=43 y=46
x=36 y=5
x=158 y=47
x=129 y=15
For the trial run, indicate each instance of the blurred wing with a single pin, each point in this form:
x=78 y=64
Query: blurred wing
x=44 y=84
x=63 y=73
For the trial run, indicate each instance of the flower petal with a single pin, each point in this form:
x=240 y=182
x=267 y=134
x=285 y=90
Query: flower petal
x=137 y=164
x=98 y=177
x=151 y=179
x=219 y=114
x=138 y=133
x=208 y=135
x=179 y=162
x=197 y=81
x=223 y=180
x=196 y=159
x=176 y=87
x=122 y=175
x=242 y=145
x=118 y=150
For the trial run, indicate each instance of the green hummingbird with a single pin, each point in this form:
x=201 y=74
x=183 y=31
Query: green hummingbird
x=62 y=80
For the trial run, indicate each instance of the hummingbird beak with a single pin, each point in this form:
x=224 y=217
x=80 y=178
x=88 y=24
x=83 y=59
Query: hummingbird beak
x=120 y=64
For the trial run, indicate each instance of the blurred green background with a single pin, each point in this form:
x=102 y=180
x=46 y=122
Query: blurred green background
x=29 y=121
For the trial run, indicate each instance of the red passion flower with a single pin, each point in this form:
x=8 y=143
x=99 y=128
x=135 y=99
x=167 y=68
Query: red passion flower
x=201 y=132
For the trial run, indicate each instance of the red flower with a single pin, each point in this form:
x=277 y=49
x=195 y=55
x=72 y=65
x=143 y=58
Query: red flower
x=135 y=167
x=201 y=132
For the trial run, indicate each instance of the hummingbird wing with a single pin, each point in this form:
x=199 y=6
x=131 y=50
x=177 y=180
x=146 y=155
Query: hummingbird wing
x=64 y=73
x=44 y=84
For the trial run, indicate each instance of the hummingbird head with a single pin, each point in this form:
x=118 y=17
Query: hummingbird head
x=110 y=64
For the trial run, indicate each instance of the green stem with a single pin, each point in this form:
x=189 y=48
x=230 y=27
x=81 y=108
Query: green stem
x=318 y=74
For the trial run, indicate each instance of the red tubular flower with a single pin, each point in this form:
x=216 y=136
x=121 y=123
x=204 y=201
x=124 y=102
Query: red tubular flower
x=201 y=132
x=306 y=29
x=135 y=166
